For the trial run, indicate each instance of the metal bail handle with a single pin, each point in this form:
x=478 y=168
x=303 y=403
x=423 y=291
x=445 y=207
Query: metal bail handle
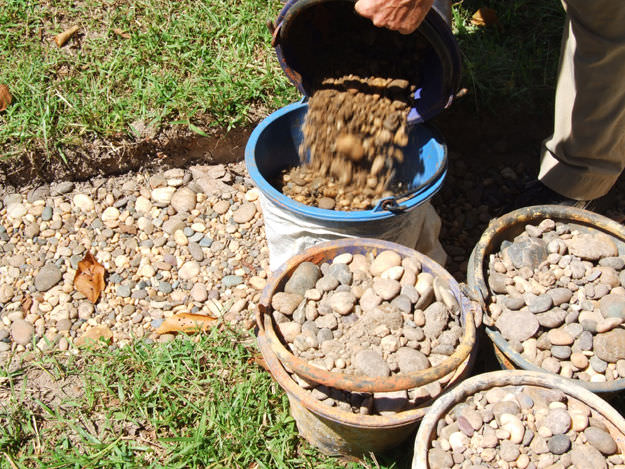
x=388 y=204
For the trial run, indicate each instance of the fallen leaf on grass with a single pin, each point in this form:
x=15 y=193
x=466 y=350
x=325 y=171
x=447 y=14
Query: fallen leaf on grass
x=5 y=97
x=94 y=335
x=121 y=33
x=89 y=278
x=63 y=37
x=186 y=322
x=484 y=17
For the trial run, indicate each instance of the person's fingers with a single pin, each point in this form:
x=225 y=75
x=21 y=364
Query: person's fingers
x=364 y=8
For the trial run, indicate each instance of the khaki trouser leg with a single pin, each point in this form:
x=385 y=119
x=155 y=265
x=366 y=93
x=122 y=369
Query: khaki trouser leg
x=586 y=153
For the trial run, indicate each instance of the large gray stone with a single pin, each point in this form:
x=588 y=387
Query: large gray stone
x=592 y=247
x=411 y=360
x=48 y=276
x=436 y=318
x=303 y=278
x=527 y=252
x=610 y=346
x=371 y=363
x=517 y=325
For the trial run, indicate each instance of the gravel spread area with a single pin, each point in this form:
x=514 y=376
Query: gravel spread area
x=177 y=241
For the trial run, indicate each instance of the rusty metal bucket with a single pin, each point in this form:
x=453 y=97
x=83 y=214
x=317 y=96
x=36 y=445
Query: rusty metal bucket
x=335 y=431
x=507 y=227
x=427 y=430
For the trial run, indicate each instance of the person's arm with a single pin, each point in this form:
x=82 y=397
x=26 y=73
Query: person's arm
x=400 y=15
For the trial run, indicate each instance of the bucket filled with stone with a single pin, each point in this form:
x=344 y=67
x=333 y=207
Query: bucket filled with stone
x=363 y=334
x=520 y=419
x=553 y=283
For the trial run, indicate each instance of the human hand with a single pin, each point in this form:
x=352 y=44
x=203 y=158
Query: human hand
x=400 y=15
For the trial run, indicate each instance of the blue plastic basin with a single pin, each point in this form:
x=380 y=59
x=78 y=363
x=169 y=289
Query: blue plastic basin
x=274 y=145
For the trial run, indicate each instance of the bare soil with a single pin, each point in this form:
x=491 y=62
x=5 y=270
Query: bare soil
x=170 y=147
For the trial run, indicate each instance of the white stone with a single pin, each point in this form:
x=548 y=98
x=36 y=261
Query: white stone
x=513 y=425
x=189 y=270
x=313 y=294
x=389 y=344
x=110 y=215
x=393 y=273
x=257 y=282
x=162 y=195
x=252 y=194
x=198 y=227
x=16 y=211
x=59 y=313
x=458 y=441
x=83 y=202
x=180 y=238
x=143 y=205
x=344 y=258
x=146 y=270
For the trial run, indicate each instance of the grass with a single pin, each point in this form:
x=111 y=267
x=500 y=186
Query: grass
x=511 y=65
x=187 y=403
x=185 y=61
x=198 y=64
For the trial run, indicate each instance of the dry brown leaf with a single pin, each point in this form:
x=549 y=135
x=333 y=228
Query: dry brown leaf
x=27 y=302
x=484 y=17
x=5 y=97
x=186 y=322
x=94 y=336
x=121 y=33
x=89 y=278
x=63 y=37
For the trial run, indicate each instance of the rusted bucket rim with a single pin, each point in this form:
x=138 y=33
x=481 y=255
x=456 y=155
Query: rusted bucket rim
x=490 y=240
x=494 y=379
x=361 y=383
x=332 y=413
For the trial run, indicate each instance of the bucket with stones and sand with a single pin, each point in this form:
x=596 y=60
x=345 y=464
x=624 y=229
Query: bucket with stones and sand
x=552 y=281
x=406 y=217
x=352 y=413
x=520 y=419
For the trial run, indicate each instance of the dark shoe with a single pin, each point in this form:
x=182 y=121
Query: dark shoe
x=536 y=193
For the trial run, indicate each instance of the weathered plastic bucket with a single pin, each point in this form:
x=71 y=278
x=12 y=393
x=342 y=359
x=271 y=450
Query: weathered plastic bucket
x=427 y=430
x=507 y=227
x=292 y=227
x=335 y=431
x=296 y=32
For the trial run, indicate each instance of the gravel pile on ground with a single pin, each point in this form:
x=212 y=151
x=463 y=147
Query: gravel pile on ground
x=559 y=298
x=523 y=427
x=178 y=241
x=373 y=316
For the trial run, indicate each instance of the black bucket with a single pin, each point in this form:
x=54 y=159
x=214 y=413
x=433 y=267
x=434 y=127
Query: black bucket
x=303 y=25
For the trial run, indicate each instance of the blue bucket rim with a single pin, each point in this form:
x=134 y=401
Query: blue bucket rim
x=281 y=200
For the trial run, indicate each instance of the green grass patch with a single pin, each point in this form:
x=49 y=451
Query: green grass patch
x=183 y=61
x=512 y=64
x=181 y=404
x=210 y=63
